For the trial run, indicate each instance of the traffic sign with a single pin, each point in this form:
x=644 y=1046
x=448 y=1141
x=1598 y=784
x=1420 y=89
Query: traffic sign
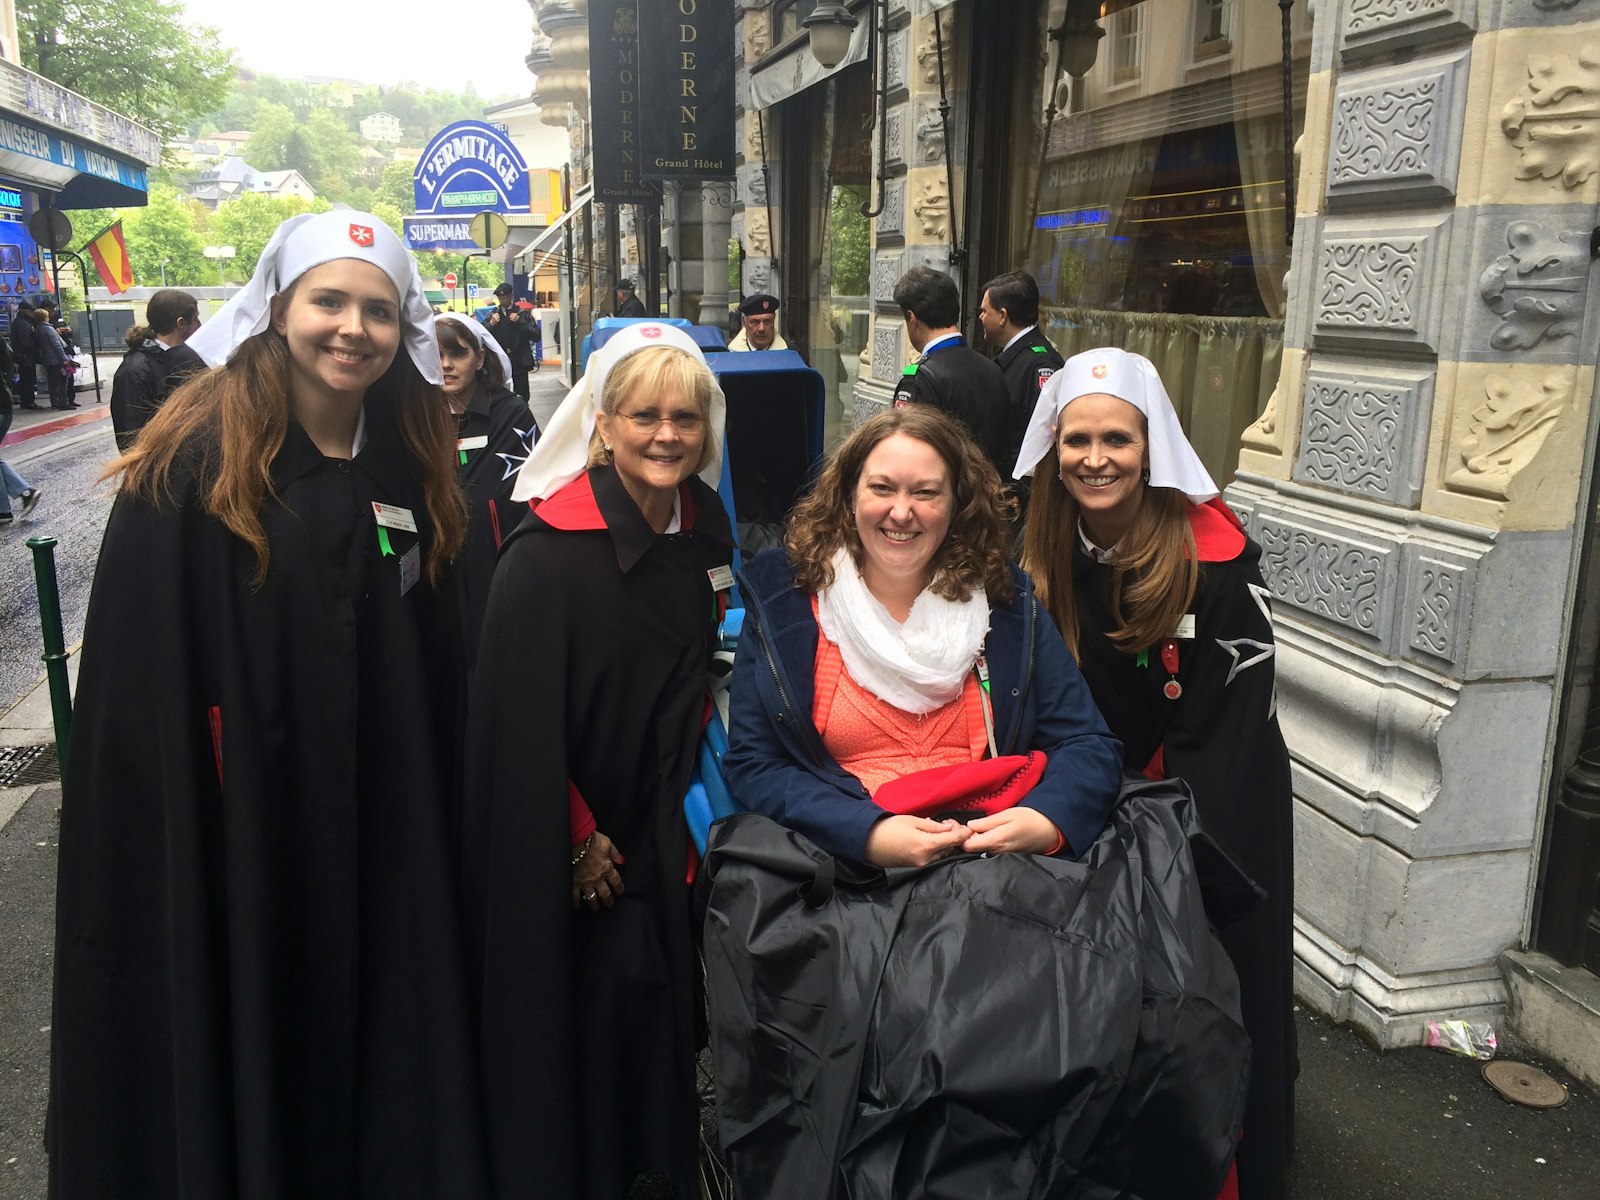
x=51 y=228
x=472 y=291
x=449 y=281
x=489 y=230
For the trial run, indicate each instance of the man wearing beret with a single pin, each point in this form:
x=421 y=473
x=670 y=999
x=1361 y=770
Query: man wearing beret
x=758 y=325
x=514 y=330
x=628 y=302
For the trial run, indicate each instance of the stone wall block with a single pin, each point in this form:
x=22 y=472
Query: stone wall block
x=1531 y=283
x=934 y=257
x=927 y=205
x=1298 y=300
x=895 y=75
x=1364 y=430
x=1334 y=577
x=758 y=276
x=1516 y=628
x=1517 y=14
x=886 y=341
x=927 y=132
x=886 y=268
x=892 y=220
x=1376 y=26
x=897 y=121
x=1397 y=132
x=1437 y=914
x=1380 y=283
x=752 y=185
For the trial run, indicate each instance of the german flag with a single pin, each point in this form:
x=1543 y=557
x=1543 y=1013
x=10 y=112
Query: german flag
x=110 y=254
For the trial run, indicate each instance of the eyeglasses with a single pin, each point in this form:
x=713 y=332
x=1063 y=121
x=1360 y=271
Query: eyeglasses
x=648 y=421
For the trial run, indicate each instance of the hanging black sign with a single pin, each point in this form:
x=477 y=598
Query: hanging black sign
x=686 y=51
x=614 y=102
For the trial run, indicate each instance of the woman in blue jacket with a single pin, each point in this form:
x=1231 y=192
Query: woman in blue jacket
x=891 y=634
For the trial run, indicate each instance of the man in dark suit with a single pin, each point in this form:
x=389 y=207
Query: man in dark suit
x=1009 y=315
x=513 y=329
x=948 y=373
x=628 y=302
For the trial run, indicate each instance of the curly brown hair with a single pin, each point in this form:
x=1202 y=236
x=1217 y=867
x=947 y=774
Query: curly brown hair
x=975 y=552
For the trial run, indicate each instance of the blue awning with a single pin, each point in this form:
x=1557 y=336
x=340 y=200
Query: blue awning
x=84 y=175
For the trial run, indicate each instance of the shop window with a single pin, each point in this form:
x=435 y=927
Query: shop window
x=787 y=16
x=1153 y=217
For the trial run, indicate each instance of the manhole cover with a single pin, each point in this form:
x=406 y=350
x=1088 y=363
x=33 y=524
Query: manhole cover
x=1525 y=1085
x=24 y=766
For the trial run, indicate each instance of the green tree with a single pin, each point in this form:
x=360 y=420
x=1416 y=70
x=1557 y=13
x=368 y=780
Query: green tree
x=268 y=147
x=168 y=231
x=138 y=57
x=850 y=243
x=248 y=222
x=396 y=187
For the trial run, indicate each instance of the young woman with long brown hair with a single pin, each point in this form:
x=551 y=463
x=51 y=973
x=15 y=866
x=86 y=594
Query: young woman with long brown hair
x=1158 y=592
x=259 y=987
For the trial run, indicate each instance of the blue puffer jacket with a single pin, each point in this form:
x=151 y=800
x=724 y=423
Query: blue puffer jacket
x=776 y=763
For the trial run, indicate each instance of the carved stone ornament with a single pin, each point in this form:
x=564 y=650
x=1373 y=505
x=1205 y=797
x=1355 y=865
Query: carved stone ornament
x=930 y=137
x=757 y=34
x=1322 y=575
x=757 y=233
x=1355 y=435
x=895 y=70
x=1371 y=22
x=1537 y=287
x=758 y=278
x=1384 y=133
x=885 y=352
x=1555 y=121
x=1263 y=434
x=1434 y=618
x=892 y=220
x=1365 y=15
x=928 y=47
x=1506 y=433
x=932 y=208
x=1369 y=284
x=1553 y=5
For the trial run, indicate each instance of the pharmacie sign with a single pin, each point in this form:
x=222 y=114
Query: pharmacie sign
x=470 y=167
x=686 y=53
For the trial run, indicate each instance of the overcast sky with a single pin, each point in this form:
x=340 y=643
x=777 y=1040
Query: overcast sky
x=380 y=41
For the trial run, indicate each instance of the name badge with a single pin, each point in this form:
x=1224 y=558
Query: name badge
x=473 y=443
x=1185 y=627
x=392 y=516
x=410 y=569
x=721 y=578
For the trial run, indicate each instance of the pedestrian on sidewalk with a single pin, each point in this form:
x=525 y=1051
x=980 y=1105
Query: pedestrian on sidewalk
x=53 y=357
x=25 y=345
x=259 y=982
x=157 y=361
x=15 y=488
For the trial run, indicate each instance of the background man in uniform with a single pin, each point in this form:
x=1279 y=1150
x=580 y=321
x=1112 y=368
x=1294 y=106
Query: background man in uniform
x=628 y=302
x=949 y=374
x=157 y=361
x=758 y=325
x=513 y=329
x=25 y=348
x=1009 y=314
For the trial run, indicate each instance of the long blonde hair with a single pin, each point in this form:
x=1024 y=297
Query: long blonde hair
x=236 y=418
x=1153 y=576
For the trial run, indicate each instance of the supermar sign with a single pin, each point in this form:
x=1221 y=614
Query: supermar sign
x=470 y=167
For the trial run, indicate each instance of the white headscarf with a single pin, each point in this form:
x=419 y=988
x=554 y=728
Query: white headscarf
x=310 y=240
x=562 y=453
x=1130 y=377
x=474 y=327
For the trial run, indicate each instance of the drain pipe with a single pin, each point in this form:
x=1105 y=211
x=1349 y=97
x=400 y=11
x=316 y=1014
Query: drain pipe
x=55 y=649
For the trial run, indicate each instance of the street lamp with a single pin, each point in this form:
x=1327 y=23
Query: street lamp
x=165 y=263
x=222 y=254
x=1079 y=36
x=829 y=27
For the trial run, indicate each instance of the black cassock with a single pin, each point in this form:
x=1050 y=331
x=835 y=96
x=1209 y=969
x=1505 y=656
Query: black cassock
x=493 y=435
x=259 y=977
x=1221 y=737
x=597 y=646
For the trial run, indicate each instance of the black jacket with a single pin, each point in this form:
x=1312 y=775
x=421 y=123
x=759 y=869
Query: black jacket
x=24 y=338
x=1026 y=364
x=1002 y=1026
x=150 y=372
x=632 y=307
x=969 y=387
x=514 y=331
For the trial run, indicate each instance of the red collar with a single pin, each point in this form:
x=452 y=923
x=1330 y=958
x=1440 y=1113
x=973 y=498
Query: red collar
x=1218 y=535
x=575 y=509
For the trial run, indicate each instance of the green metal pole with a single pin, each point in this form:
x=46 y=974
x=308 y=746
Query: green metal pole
x=55 y=649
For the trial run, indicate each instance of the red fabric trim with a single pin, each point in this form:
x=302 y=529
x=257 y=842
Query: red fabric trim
x=494 y=521
x=579 y=818
x=1218 y=535
x=573 y=508
x=1230 y=1186
x=1156 y=768
x=990 y=786
x=214 y=720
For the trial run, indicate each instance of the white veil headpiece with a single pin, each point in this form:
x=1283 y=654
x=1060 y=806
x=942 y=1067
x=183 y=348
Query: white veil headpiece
x=474 y=327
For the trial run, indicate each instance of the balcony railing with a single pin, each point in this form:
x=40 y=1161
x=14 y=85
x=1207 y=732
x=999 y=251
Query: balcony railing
x=61 y=108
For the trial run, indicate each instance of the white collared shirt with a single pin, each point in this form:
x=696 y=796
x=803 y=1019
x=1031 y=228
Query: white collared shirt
x=1013 y=341
x=1094 y=552
x=930 y=346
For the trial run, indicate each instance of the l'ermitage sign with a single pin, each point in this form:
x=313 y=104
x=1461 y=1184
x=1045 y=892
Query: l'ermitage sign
x=686 y=48
x=468 y=168
x=614 y=101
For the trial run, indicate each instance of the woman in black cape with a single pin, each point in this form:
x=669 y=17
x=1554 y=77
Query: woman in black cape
x=602 y=616
x=1159 y=594
x=259 y=976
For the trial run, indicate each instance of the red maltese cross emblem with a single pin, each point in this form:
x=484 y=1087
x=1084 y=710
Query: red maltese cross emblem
x=1100 y=370
x=361 y=235
x=650 y=331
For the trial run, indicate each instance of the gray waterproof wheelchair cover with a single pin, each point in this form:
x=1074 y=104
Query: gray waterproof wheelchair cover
x=1015 y=1026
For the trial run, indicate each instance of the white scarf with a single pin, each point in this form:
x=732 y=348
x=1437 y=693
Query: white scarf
x=919 y=666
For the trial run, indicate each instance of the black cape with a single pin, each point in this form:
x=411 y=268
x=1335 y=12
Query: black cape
x=487 y=474
x=1026 y=364
x=1014 y=1026
x=259 y=979
x=597 y=646
x=956 y=378
x=1221 y=737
